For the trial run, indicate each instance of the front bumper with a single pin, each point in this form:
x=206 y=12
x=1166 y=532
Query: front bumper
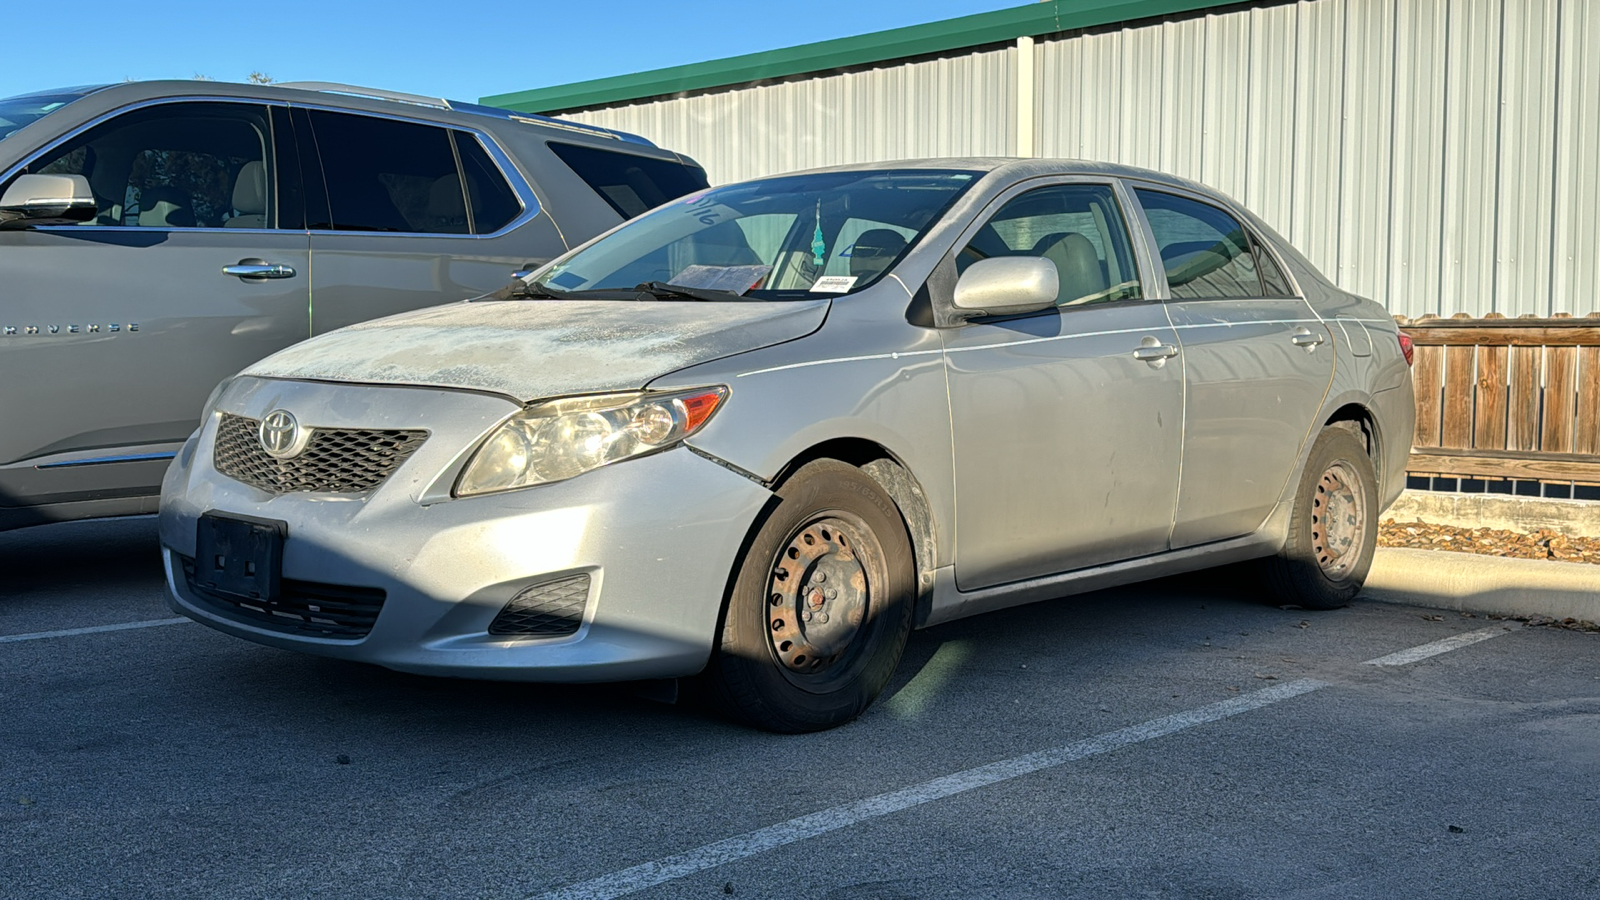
x=658 y=537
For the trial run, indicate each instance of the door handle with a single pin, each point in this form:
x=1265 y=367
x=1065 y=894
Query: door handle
x=1304 y=337
x=258 y=268
x=1154 y=352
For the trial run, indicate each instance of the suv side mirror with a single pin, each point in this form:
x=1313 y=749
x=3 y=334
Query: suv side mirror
x=1007 y=286
x=47 y=200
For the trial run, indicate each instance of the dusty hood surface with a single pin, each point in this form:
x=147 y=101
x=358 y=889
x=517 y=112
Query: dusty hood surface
x=531 y=349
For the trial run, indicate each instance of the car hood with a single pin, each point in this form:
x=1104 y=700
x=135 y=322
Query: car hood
x=531 y=349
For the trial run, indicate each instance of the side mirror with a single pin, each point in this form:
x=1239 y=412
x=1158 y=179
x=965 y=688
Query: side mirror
x=1007 y=286
x=47 y=200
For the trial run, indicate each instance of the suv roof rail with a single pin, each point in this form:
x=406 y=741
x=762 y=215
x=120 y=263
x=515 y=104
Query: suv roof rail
x=334 y=87
x=551 y=122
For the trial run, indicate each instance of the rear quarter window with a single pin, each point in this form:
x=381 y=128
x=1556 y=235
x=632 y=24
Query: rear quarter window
x=629 y=183
x=494 y=203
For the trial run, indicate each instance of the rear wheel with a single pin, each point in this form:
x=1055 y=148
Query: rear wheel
x=820 y=607
x=1333 y=529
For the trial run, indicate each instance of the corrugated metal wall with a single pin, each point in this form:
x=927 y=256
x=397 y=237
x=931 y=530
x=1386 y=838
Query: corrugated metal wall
x=898 y=112
x=1440 y=156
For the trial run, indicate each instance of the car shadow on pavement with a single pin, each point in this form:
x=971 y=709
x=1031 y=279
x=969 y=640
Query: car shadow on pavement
x=297 y=692
x=113 y=554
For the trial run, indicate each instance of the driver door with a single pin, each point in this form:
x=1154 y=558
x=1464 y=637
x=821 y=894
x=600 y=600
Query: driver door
x=1066 y=446
x=115 y=330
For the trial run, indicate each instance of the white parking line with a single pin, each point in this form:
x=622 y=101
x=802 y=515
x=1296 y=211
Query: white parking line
x=92 y=629
x=710 y=856
x=1445 y=645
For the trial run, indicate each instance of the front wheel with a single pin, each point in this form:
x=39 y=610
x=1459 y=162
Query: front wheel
x=820 y=607
x=1333 y=529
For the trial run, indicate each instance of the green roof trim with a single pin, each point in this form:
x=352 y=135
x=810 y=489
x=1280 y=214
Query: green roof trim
x=897 y=43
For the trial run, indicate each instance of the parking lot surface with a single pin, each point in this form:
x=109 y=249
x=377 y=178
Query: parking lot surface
x=1172 y=739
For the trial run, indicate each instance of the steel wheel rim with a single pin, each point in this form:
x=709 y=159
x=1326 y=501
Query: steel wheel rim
x=1338 y=520
x=819 y=599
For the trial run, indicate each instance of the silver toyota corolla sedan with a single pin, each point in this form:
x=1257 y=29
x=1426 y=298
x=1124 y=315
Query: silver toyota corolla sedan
x=760 y=433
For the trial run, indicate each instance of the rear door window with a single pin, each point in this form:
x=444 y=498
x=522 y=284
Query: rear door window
x=178 y=165
x=1272 y=277
x=631 y=184
x=1207 y=254
x=389 y=176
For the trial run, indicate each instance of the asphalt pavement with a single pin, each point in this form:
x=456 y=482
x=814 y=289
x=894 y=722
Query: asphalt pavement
x=1172 y=739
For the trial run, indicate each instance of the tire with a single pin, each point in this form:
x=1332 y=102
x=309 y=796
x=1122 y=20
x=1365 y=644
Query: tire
x=1333 y=528
x=820 y=605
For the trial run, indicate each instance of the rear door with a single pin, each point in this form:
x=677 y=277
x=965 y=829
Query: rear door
x=1257 y=362
x=113 y=332
x=413 y=214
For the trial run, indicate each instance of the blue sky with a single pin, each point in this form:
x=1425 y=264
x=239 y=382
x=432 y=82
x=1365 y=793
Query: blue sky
x=460 y=50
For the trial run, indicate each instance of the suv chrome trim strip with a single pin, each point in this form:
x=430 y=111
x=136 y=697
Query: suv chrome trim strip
x=102 y=460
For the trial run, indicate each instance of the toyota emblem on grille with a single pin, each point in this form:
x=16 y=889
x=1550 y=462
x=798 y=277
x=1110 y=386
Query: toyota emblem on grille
x=281 y=435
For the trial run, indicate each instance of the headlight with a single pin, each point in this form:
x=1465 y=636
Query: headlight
x=561 y=439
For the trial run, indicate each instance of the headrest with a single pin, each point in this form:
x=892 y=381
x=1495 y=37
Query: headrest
x=250 y=189
x=1077 y=266
x=445 y=202
x=164 y=207
x=873 y=251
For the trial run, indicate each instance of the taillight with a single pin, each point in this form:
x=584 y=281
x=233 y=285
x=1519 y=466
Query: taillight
x=1406 y=347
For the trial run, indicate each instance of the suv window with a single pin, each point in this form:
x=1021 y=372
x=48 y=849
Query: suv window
x=386 y=175
x=631 y=184
x=494 y=203
x=1207 y=254
x=181 y=165
x=1079 y=227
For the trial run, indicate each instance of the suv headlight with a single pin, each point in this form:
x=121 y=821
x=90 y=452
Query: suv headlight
x=562 y=439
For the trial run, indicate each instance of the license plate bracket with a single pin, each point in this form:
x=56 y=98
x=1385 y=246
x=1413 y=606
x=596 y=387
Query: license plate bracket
x=240 y=556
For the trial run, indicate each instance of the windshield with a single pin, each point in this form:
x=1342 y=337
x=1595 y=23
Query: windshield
x=783 y=238
x=15 y=112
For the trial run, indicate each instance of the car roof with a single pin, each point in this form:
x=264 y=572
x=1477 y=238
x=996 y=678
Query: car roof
x=1020 y=167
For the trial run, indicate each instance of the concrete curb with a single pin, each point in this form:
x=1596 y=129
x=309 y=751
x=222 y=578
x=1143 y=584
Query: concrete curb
x=1486 y=585
x=1574 y=518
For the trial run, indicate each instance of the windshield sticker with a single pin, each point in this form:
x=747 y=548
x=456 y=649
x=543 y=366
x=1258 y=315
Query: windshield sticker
x=733 y=279
x=566 y=280
x=819 y=247
x=834 y=284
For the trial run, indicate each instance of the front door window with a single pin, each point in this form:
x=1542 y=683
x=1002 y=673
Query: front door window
x=189 y=165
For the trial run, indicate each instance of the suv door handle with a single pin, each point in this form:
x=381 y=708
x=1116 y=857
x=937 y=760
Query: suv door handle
x=258 y=268
x=1304 y=337
x=1153 y=352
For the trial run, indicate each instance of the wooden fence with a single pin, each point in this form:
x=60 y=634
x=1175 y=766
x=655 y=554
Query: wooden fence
x=1507 y=398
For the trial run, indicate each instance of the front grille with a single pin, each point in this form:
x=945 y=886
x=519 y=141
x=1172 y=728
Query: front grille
x=335 y=460
x=302 y=607
x=548 y=610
